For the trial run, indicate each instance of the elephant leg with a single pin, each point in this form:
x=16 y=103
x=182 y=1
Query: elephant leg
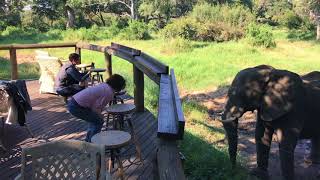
x=287 y=142
x=315 y=150
x=263 y=137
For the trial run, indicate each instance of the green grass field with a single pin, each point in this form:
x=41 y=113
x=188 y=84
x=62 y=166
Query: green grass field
x=205 y=67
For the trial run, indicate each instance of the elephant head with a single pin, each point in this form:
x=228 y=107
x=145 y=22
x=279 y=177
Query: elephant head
x=270 y=91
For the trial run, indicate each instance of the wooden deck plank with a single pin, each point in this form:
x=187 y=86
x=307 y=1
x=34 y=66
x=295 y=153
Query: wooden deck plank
x=50 y=121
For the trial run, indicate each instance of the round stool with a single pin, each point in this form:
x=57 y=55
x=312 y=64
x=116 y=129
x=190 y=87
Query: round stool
x=118 y=97
x=96 y=76
x=113 y=141
x=118 y=112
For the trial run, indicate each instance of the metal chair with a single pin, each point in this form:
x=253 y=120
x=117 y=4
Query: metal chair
x=64 y=159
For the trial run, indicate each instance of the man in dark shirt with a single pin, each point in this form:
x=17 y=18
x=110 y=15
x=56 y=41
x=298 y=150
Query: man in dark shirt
x=67 y=81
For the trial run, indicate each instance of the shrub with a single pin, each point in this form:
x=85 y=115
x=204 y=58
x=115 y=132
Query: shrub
x=54 y=34
x=291 y=20
x=260 y=35
x=135 y=31
x=183 y=27
x=177 y=45
x=231 y=15
x=12 y=32
x=218 y=32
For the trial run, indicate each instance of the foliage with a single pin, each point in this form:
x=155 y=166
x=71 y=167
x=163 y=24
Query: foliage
x=291 y=20
x=136 y=30
x=157 y=8
x=218 y=32
x=177 y=45
x=260 y=35
x=238 y=16
x=12 y=32
x=183 y=27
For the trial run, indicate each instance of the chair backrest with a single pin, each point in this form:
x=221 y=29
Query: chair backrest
x=65 y=159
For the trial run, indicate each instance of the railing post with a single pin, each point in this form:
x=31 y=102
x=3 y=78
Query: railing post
x=169 y=162
x=78 y=51
x=138 y=79
x=108 y=58
x=14 y=64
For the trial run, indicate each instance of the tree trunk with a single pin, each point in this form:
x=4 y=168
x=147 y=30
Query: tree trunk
x=318 y=31
x=133 y=9
x=102 y=19
x=70 y=17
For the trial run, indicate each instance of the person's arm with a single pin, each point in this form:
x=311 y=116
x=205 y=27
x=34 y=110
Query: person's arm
x=75 y=74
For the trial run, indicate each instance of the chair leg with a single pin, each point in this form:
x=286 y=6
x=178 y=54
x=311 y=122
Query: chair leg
x=29 y=130
x=2 y=134
x=107 y=121
x=135 y=140
x=120 y=167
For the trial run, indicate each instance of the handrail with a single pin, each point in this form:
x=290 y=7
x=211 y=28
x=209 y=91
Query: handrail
x=36 y=46
x=171 y=121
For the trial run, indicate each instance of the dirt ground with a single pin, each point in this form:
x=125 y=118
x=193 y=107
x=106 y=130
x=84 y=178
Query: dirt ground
x=215 y=101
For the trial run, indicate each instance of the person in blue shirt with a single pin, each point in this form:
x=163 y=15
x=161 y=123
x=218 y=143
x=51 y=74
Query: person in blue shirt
x=68 y=78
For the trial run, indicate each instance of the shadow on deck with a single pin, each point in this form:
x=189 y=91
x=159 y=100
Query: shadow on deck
x=50 y=121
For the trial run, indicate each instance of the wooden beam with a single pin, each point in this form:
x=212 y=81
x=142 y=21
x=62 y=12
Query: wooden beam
x=37 y=46
x=131 y=51
x=167 y=124
x=108 y=60
x=14 y=64
x=92 y=47
x=138 y=79
x=78 y=51
x=177 y=105
x=146 y=59
x=169 y=162
x=121 y=54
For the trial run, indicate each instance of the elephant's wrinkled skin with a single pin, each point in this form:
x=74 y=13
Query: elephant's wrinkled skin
x=287 y=104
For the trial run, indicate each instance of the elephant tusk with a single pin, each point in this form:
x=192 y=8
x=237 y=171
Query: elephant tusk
x=227 y=120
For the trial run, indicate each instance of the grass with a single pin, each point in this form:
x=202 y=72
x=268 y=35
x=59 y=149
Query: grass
x=204 y=67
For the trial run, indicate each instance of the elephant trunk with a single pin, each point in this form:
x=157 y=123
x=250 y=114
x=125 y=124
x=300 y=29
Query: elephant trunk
x=230 y=119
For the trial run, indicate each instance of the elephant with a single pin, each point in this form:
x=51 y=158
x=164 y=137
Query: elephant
x=287 y=105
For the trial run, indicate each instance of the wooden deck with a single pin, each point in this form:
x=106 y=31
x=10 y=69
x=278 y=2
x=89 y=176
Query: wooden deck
x=50 y=121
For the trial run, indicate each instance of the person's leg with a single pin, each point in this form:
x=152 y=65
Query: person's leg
x=94 y=120
x=70 y=90
x=75 y=88
x=93 y=128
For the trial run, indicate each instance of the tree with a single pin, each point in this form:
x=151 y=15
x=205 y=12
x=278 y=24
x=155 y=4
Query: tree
x=311 y=9
x=314 y=6
x=157 y=9
x=10 y=12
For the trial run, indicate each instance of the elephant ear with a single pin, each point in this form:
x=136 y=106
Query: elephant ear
x=281 y=94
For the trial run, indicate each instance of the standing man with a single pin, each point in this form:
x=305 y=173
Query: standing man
x=67 y=81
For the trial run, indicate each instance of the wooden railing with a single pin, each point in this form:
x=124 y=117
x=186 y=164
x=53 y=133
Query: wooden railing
x=170 y=115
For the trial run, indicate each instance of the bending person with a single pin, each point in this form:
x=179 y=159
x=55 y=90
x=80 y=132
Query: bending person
x=67 y=81
x=89 y=103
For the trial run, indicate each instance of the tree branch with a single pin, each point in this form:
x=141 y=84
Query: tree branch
x=122 y=2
